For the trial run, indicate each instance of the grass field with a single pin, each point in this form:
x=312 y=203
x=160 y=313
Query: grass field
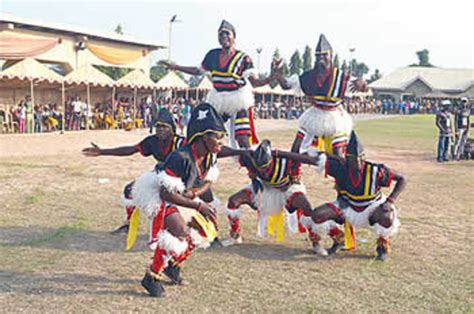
x=57 y=253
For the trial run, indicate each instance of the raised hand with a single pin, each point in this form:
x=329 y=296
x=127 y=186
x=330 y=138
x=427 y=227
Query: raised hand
x=358 y=85
x=167 y=64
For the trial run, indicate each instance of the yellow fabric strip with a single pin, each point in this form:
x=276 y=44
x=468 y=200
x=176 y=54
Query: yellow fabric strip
x=206 y=225
x=326 y=98
x=349 y=236
x=276 y=170
x=359 y=197
x=242 y=120
x=133 y=228
x=276 y=226
x=230 y=69
x=116 y=56
x=334 y=77
x=225 y=74
x=367 y=180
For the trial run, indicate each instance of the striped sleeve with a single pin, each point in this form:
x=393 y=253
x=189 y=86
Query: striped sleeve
x=384 y=175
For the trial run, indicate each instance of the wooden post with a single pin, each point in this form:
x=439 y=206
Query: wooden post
x=88 y=105
x=63 y=99
x=33 y=105
x=187 y=93
x=113 y=102
x=271 y=106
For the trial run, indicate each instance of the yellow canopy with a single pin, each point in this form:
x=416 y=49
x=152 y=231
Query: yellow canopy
x=30 y=69
x=136 y=78
x=171 y=81
x=205 y=84
x=89 y=75
x=116 y=56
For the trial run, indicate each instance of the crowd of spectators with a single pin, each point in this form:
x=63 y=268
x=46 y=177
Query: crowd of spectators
x=125 y=113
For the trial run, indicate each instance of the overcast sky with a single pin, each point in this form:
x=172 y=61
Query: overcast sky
x=385 y=33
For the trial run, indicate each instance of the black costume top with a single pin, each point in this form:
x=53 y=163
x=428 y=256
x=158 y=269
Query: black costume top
x=182 y=164
x=329 y=91
x=227 y=75
x=279 y=175
x=152 y=145
x=360 y=192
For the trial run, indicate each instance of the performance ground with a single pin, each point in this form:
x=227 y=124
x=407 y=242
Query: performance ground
x=57 y=253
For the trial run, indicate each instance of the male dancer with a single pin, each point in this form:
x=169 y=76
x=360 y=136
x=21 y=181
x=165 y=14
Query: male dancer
x=232 y=95
x=160 y=145
x=359 y=202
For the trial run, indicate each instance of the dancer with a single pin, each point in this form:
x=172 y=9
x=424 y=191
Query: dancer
x=360 y=200
x=160 y=145
x=232 y=95
x=275 y=185
x=325 y=126
x=176 y=183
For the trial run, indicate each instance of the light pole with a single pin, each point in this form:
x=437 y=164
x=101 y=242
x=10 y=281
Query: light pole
x=173 y=20
x=259 y=51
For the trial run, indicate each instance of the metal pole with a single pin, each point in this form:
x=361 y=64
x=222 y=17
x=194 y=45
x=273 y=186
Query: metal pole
x=88 y=105
x=32 y=104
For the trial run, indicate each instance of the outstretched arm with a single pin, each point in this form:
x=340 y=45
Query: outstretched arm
x=187 y=70
x=304 y=159
x=95 y=151
x=227 y=151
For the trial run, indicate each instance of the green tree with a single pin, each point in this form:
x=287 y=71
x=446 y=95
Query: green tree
x=359 y=69
x=336 y=61
x=296 y=64
x=118 y=29
x=194 y=80
x=307 y=59
x=158 y=71
x=375 y=76
x=423 y=59
x=344 y=66
x=276 y=54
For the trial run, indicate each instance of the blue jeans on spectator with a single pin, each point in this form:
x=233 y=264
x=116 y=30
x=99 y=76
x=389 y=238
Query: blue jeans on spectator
x=443 y=147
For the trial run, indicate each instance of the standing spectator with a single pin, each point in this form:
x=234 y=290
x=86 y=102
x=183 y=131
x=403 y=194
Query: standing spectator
x=21 y=114
x=384 y=106
x=407 y=106
x=401 y=107
x=443 y=122
x=29 y=114
x=76 y=113
x=462 y=125
x=38 y=119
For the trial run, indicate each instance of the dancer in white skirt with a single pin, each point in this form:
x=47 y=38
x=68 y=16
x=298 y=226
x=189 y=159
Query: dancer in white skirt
x=325 y=125
x=360 y=201
x=275 y=185
x=233 y=76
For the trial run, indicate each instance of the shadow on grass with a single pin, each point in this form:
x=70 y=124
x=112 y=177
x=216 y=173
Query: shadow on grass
x=269 y=252
x=69 y=238
x=64 y=284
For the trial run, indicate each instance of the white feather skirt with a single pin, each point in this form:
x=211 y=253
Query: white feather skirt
x=231 y=102
x=323 y=123
x=146 y=190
